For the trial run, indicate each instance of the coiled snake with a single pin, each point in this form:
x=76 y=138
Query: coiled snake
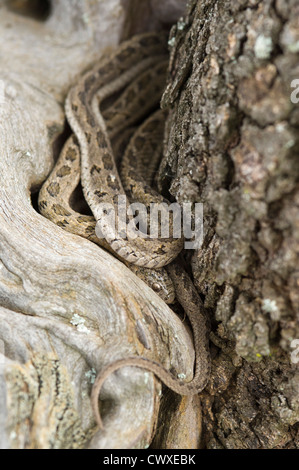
x=142 y=57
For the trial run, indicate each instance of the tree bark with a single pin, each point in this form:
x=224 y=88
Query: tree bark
x=233 y=145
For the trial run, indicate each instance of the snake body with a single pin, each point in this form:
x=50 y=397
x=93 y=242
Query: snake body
x=93 y=131
x=98 y=168
x=56 y=196
x=191 y=302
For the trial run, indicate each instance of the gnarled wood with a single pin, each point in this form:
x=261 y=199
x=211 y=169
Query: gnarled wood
x=67 y=307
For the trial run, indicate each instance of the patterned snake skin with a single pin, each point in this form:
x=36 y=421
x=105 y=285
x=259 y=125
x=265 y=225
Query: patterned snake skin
x=94 y=132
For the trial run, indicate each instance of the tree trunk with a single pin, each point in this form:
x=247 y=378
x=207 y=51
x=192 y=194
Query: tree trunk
x=67 y=307
x=233 y=145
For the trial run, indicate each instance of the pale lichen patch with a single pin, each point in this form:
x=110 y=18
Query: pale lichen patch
x=79 y=323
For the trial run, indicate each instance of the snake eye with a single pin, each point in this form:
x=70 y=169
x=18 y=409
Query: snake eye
x=156 y=287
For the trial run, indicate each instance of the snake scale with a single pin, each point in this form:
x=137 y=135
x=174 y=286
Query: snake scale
x=56 y=197
x=88 y=154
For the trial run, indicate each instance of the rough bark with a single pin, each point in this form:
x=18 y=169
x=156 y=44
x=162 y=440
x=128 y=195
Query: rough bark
x=233 y=145
x=68 y=307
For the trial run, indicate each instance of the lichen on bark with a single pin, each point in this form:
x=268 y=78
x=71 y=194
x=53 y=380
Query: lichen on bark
x=232 y=144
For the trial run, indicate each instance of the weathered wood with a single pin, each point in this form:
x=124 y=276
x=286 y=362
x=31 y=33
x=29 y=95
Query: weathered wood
x=180 y=423
x=67 y=307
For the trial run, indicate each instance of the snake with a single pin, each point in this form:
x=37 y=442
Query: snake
x=101 y=182
x=57 y=195
x=88 y=155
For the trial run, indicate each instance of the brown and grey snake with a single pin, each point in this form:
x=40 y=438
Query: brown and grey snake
x=94 y=130
x=56 y=197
